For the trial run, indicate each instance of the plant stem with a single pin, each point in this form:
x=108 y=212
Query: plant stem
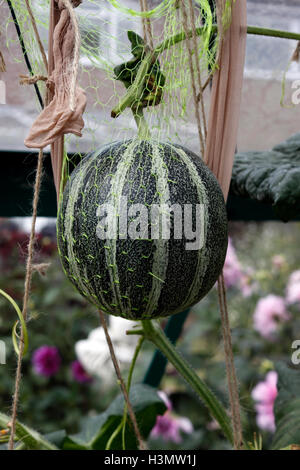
x=255 y=30
x=133 y=362
x=135 y=90
x=155 y=334
x=274 y=33
x=27 y=436
x=132 y=366
x=143 y=129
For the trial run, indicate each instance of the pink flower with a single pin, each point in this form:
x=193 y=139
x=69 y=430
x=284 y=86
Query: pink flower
x=265 y=394
x=168 y=426
x=268 y=312
x=46 y=360
x=232 y=269
x=293 y=288
x=79 y=374
x=234 y=274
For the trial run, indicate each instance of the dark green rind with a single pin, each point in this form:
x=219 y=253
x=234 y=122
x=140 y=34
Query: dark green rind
x=140 y=187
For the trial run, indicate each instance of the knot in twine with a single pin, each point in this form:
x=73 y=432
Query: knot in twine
x=31 y=80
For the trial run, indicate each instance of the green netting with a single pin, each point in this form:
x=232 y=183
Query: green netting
x=112 y=50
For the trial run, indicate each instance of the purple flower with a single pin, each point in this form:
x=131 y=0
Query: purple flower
x=169 y=426
x=269 y=311
x=293 y=288
x=265 y=394
x=79 y=374
x=46 y=360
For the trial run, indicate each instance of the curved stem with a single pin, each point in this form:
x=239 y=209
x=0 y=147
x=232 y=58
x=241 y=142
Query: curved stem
x=155 y=334
x=255 y=30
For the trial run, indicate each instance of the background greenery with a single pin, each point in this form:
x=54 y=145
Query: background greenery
x=60 y=317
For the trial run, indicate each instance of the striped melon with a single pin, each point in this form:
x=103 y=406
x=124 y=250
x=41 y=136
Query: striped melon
x=122 y=246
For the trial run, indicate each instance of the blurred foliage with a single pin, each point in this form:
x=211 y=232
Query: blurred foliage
x=256 y=245
x=287 y=408
x=60 y=317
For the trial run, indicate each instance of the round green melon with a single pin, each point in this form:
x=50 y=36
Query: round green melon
x=142 y=229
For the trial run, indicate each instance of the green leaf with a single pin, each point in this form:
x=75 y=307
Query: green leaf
x=29 y=437
x=153 y=80
x=137 y=44
x=96 y=430
x=57 y=438
x=126 y=72
x=287 y=408
x=271 y=177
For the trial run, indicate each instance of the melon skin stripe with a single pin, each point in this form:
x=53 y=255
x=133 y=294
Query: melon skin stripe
x=141 y=278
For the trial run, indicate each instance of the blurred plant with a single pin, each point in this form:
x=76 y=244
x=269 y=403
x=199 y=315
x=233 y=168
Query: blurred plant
x=46 y=361
x=93 y=352
x=269 y=311
x=265 y=394
x=79 y=374
x=169 y=426
x=264 y=255
x=234 y=274
x=293 y=288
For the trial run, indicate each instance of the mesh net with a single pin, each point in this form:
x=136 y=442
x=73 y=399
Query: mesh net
x=113 y=48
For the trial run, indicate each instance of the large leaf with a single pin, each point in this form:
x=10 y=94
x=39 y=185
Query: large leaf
x=271 y=177
x=287 y=408
x=96 y=430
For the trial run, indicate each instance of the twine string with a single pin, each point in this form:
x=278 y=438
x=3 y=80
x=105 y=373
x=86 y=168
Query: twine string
x=192 y=72
x=27 y=289
x=230 y=367
x=2 y=61
x=198 y=68
x=121 y=382
x=31 y=79
x=147 y=29
x=37 y=36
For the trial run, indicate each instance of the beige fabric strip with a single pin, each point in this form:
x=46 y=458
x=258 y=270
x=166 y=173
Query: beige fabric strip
x=57 y=147
x=226 y=97
x=58 y=118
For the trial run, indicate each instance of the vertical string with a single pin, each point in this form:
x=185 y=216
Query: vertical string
x=148 y=36
x=230 y=367
x=121 y=382
x=197 y=59
x=191 y=66
x=2 y=61
x=27 y=288
x=37 y=36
